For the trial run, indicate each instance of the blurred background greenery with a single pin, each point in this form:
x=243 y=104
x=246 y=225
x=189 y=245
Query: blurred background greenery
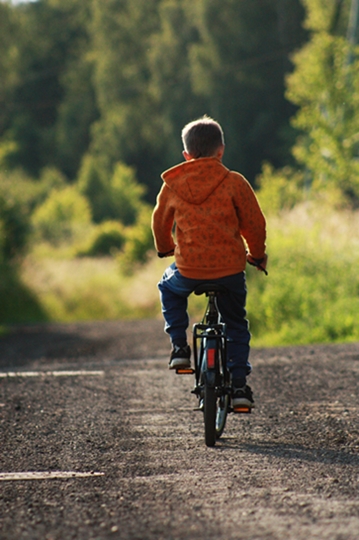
x=93 y=96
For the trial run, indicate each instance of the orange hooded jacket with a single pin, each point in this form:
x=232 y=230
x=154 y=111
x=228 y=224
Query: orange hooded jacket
x=214 y=210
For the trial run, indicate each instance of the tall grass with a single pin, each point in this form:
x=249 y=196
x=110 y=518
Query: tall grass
x=311 y=294
x=82 y=289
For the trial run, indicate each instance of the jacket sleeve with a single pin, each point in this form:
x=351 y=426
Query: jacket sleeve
x=251 y=220
x=162 y=222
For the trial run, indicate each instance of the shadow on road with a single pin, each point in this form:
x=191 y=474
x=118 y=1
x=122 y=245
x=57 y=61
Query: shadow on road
x=36 y=344
x=293 y=452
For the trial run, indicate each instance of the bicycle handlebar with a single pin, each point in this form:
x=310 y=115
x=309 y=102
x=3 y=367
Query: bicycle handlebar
x=259 y=266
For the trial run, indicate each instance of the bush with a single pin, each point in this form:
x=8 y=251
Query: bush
x=107 y=239
x=139 y=243
x=63 y=216
x=127 y=194
x=311 y=294
x=112 y=196
x=19 y=304
x=14 y=229
x=280 y=189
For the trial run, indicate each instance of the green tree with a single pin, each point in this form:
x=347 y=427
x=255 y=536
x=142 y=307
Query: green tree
x=325 y=87
x=118 y=79
x=46 y=96
x=171 y=85
x=127 y=128
x=160 y=63
x=238 y=63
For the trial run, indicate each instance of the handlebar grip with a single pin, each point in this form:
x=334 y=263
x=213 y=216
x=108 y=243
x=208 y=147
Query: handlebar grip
x=259 y=266
x=167 y=254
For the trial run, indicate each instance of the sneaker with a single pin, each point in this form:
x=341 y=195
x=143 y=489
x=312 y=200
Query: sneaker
x=180 y=357
x=242 y=397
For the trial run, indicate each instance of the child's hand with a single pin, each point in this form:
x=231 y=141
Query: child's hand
x=168 y=254
x=260 y=264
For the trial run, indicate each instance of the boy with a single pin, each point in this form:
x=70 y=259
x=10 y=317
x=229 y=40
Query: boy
x=214 y=210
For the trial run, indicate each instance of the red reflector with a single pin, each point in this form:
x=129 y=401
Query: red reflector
x=211 y=358
x=184 y=371
x=245 y=410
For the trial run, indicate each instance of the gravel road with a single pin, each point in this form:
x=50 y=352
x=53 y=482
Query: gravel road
x=99 y=440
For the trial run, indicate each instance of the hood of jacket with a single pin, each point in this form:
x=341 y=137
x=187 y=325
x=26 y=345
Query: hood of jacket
x=195 y=180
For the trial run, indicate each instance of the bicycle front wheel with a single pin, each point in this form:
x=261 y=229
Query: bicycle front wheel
x=222 y=404
x=209 y=412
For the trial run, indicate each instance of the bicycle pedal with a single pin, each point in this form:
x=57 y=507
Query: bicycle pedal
x=184 y=371
x=242 y=409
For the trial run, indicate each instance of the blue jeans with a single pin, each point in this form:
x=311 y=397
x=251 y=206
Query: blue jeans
x=174 y=291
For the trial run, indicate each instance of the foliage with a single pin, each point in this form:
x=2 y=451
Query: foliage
x=238 y=63
x=311 y=292
x=112 y=195
x=14 y=229
x=139 y=243
x=325 y=87
x=63 y=216
x=42 y=45
x=119 y=79
x=280 y=190
x=310 y=295
x=126 y=194
x=15 y=195
x=19 y=303
x=92 y=288
x=106 y=239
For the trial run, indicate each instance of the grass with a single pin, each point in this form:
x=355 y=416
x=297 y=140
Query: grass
x=310 y=296
x=312 y=292
x=85 y=289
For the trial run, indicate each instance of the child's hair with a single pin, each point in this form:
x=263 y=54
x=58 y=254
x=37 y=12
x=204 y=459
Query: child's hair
x=202 y=137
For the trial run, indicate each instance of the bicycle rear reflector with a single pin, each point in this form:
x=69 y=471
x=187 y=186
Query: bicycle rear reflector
x=184 y=371
x=242 y=409
x=211 y=354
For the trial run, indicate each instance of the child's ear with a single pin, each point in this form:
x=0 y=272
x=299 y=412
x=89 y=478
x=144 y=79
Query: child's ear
x=220 y=152
x=187 y=156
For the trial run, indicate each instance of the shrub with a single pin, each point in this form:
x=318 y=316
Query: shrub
x=127 y=194
x=107 y=239
x=139 y=242
x=280 y=189
x=19 y=303
x=17 y=195
x=112 y=196
x=63 y=216
x=14 y=229
x=311 y=294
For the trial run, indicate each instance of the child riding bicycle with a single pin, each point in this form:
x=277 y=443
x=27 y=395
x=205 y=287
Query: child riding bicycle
x=218 y=227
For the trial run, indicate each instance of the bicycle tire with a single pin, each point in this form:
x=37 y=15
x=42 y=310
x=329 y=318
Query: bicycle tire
x=222 y=402
x=221 y=414
x=209 y=413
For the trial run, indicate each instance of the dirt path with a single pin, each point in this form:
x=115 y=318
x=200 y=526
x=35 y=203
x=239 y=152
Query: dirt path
x=288 y=471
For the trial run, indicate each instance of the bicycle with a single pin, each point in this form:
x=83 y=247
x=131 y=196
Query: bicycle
x=212 y=377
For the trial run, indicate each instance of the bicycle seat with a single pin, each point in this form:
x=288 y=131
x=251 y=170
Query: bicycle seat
x=206 y=288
